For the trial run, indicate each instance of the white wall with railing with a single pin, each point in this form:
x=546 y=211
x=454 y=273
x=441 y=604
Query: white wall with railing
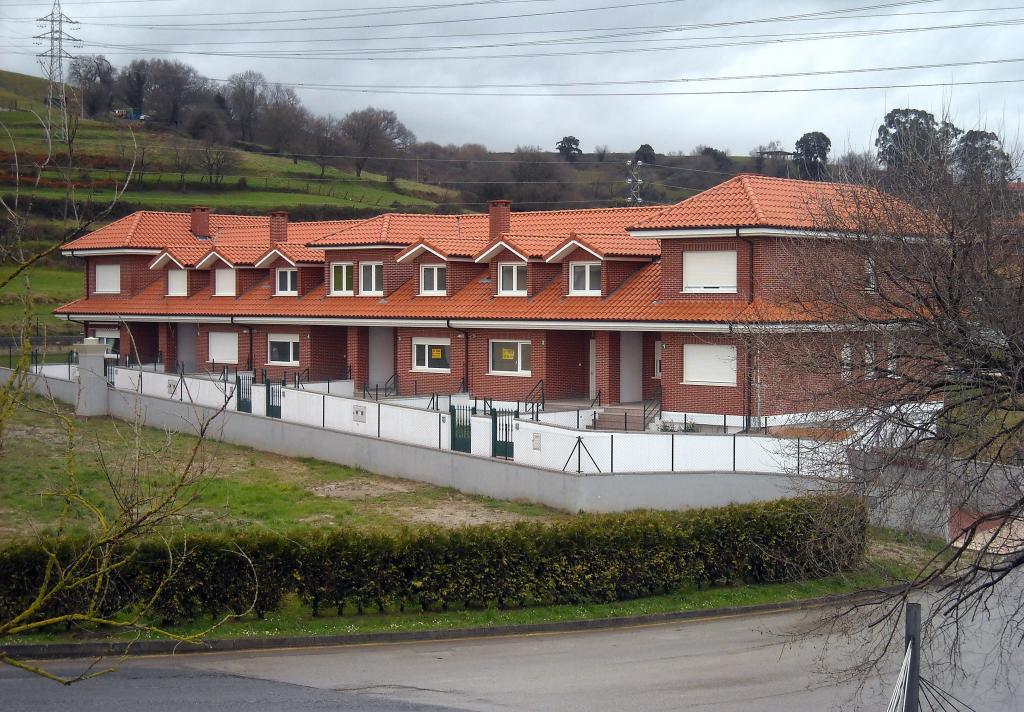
x=551 y=442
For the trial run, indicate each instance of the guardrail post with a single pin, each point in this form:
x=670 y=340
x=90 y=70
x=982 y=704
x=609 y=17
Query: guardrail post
x=611 y=459
x=734 y=452
x=672 y=457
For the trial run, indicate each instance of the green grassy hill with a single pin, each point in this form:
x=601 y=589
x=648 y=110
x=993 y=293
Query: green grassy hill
x=104 y=150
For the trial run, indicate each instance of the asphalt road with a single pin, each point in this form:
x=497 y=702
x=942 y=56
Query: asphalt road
x=739 y=663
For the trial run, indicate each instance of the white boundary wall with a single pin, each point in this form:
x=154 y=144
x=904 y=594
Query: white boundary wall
x=408 y=442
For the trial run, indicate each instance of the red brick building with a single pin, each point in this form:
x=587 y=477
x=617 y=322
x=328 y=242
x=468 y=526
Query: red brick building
x=617 y=302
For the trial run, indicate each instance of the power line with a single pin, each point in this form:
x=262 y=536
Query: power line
x=448 y=21
x=375 y=55
x=631 y=82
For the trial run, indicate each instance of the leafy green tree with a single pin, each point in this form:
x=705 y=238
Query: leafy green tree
x=911 y=139
x=569 y=148
x=811 y=157
x=979 y=157
x=645 y=154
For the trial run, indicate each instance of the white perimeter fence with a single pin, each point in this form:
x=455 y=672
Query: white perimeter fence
x=552 y=442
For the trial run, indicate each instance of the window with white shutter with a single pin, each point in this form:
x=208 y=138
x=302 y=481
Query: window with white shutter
x=108 y=279
x=224 y=282
x=223 y=347
x=709 y=365
x=709 y=272
x=177 y=283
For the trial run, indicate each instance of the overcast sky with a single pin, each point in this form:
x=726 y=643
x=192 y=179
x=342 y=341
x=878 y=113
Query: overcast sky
x=647 y=41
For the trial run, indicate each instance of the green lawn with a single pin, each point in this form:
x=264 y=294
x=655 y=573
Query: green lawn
x=242 y=486
x=51 y=287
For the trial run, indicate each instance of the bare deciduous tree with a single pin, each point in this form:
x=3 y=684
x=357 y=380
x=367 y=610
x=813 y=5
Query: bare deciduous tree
x=247 y=97
x=915 y=361
x=376 y=133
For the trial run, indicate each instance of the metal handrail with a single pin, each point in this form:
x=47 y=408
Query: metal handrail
x=597 y=400
x=533 y=403
x=652 y=404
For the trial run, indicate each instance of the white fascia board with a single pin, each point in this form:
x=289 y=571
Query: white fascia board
x=568 y=247
x=109 y=251
x=414 y=252
x=591 y=325
x=486 y=255
x=340 y=321
x=210 y=258
x=270 y=257
x=163 y=259
x=147 y=318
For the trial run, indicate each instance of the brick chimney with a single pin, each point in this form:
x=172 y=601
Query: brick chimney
x=500 y=212
x=200 y=221
x=278 y=226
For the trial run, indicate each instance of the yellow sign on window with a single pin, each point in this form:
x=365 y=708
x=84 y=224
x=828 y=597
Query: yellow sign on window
x=508 y=354
x=435 y=353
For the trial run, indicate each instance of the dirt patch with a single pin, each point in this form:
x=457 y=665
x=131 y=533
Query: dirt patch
x=35 y=432
x=454 y=513
x=903 y=553
x=364 y=488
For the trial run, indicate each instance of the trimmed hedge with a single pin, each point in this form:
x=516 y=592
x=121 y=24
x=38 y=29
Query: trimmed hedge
x=588 y=558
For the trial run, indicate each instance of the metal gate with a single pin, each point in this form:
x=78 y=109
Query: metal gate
x=243 y=392
x=502 y=425
x=274 y=391
x=461 y=427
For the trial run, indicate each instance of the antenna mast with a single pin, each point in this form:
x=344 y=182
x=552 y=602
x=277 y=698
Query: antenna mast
x=52 y=62
x=636 y=183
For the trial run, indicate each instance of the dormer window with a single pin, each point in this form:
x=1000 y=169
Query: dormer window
x=224 y=282
x=512 y=279
x=177 y=283
x=342 y=278
x=287 y=282
x=705 y=272
x=433 y=280
x=371 y=279
x=108 y=279
x=585 y=278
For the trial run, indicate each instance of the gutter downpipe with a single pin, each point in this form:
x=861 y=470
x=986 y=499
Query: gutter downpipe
x=465 y=351
x=750 y=355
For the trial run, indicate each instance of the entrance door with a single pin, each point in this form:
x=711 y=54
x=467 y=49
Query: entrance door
x=631 y=366
x=592 y=373
x=187 y=337
x=382 y=355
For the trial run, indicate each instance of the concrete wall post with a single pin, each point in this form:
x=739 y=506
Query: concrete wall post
x=92 y=381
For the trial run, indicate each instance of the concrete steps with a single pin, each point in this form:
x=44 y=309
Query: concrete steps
x=628 y=417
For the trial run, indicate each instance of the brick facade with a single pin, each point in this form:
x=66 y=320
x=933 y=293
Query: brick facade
x=135 y=272
x=395 y=273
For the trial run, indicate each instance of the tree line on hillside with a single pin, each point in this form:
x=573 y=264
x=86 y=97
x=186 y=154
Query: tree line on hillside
x=249 y=112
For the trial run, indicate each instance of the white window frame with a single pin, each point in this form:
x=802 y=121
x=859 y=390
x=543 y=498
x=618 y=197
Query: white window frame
x=348 y=289
x=870 y=276
x=427 y=343
x=589 y=289
x=292 y=279
x=111 y=277
x=436 y=269
x=846 y=363
x=229 y=357
x=519 y=290
x=659 y=347
x=378 y=289
x=295 y=341
x=108 y=337
x=870 y=361
x=177 y=290
x=694 y=349
x=731 y=288
x=519 y=357
x=217 y=286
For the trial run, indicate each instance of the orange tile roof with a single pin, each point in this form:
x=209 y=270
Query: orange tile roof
x=245 y=237
x=614 y=245
x=636 y=300
x=760 y=201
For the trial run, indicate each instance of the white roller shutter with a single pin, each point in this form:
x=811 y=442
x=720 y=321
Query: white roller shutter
x=709 y=271
x=224 y=282
x=709 y=364
x=223 y=347
x=177 y=283
x=108 y=279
